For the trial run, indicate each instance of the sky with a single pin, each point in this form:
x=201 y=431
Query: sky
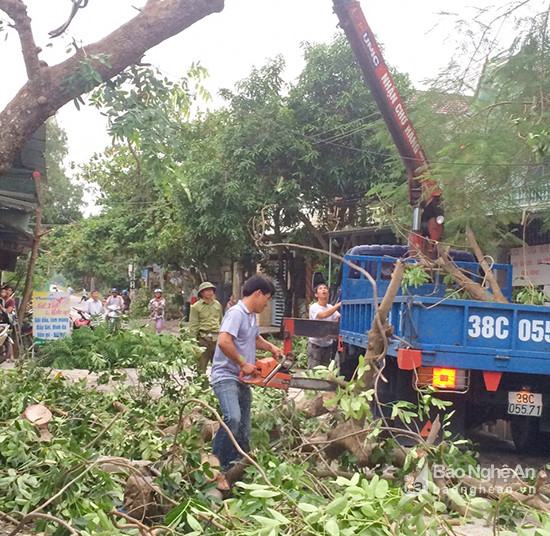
x=416 y=36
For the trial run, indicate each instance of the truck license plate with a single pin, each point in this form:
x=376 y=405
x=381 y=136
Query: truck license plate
x=524 y=403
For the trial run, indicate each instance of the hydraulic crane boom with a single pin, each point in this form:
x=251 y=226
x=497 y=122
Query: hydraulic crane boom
x=424 y=193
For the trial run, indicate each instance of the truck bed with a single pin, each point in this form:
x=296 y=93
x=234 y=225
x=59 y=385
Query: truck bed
x=454 y=333
x=463 y=334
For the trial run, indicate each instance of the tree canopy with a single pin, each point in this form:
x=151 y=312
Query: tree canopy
x=180 y=189
x=484 y=128
x=48 y=88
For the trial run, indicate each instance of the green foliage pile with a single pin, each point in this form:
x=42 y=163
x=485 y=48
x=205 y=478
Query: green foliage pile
x=33 y=472
x=97 y=349
x=292 y=499
x=299 y=349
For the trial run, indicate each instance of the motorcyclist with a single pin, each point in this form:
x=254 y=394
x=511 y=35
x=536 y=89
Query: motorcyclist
x=114 y=302
x=114 y=305
x=127 y=301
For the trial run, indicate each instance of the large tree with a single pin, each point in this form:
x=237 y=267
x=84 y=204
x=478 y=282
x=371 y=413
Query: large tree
x=61 y=198
x=48 y=88
x=191 y=186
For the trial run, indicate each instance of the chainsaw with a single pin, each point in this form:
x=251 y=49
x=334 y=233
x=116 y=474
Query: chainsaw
x=271 y=373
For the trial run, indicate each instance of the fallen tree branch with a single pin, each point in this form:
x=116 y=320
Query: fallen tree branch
x=53 y=498
x=136 y=523
x=104 y=431
x=497 y=293
x=380 y=331
x=246 y=456
x=474 y=289
x=29 y=517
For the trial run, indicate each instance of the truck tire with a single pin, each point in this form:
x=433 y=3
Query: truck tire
x=526 y=435
x=348 y=362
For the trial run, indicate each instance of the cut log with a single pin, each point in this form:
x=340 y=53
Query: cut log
x=315 y=407
x=141 y=500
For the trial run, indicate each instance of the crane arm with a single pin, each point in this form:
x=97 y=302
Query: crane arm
x=424 y=193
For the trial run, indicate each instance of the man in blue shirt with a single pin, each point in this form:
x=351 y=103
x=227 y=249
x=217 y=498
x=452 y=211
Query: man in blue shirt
x=235 y=353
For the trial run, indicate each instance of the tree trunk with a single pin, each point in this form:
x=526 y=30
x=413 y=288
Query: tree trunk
x=380 y=330
x=475 y=290
x=318 y=235
x=34 y=253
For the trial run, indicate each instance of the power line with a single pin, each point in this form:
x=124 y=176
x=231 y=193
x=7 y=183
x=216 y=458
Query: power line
x=325 y=132
x=443 y=163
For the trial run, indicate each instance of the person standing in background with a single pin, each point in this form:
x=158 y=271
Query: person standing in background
x=204 y=322
x=319 y=350
x=127 y=301
x=157 y=305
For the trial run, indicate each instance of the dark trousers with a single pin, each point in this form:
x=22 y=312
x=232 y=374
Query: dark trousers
x=206 y=357
x=318 y=355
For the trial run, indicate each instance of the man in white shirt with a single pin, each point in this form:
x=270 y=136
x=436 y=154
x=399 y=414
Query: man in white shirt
x=319 y=349
x=94 y=306
x=115 y=301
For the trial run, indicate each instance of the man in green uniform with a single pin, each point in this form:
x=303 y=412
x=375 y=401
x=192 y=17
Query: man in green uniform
x=204 y=322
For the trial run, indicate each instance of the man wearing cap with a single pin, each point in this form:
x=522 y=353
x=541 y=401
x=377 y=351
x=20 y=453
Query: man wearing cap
x=114 y=301
x=204 y=322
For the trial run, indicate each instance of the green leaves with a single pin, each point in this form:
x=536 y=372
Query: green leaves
x=414 y=276
x=257 y=490
x=192 y=185
x=531 y=295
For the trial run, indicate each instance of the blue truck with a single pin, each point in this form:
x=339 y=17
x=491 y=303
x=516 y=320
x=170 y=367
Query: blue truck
x=491 y=359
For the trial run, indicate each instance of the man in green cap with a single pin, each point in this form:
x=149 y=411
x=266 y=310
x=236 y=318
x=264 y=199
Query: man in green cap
x=204 y=322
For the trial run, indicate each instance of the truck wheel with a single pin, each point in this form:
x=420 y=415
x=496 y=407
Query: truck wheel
x=348 y=363
x=526 y=435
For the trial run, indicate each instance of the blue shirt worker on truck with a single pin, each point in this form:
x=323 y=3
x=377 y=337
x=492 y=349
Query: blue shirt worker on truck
x=319 y=349
x=235 y=353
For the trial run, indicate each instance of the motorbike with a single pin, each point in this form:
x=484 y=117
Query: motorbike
x=85 y=319
x=113 y=317
x=5 y=341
